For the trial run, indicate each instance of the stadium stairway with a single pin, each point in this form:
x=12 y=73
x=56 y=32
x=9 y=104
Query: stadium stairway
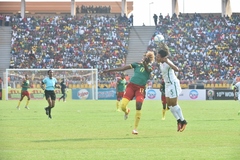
x=138 y=43
x=5 y=48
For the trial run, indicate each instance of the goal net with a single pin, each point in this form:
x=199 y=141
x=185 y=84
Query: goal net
x=81 y=83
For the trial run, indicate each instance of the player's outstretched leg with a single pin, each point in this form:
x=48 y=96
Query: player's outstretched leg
x=47 y=110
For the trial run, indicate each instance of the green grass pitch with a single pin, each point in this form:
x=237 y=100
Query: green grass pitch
x=93 y=130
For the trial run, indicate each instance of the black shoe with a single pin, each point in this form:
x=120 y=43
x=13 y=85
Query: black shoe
x=49 y=116
x=179 y=125
x=47 y=111
x=184 y=124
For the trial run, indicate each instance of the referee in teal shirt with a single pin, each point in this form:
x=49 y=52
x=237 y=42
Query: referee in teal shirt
x=48 y=85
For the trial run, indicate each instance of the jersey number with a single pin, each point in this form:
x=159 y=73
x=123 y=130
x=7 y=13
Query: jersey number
x=141 y=90
x=142 y=69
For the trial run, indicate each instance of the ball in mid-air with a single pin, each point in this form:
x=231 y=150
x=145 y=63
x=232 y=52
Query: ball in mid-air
x=158 y=39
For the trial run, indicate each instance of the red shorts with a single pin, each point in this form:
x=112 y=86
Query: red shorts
x=136 y=91
x=25 y=93
x=164 y=101
x=119 y=95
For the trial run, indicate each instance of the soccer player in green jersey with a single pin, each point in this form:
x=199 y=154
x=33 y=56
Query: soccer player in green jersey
x=120 y=88
x=24 y=92
x=136 y=86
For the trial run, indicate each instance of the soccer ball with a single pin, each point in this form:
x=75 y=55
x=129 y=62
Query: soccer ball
x=158 y=39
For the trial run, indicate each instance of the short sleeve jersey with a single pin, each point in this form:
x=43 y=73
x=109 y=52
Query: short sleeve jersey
x=63 y=85
x=237 y=86
x=25 y=85
x=167 y=73
x=121 y=85
x=140 y=76
x=50 y=83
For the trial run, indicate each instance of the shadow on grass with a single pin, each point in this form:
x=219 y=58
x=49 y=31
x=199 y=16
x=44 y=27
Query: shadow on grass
x=216 y=120
x=87 y=139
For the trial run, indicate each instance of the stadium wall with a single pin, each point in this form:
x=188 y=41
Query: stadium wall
x=110 y=94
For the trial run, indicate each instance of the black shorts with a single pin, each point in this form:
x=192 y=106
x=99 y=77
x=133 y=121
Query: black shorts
x=63 y=91
x=50 y=94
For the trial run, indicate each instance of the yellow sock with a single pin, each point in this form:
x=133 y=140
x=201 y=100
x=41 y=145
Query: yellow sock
x=27 y=102
x=163 y=113
x=118 y=104
x=124 y=104
x=137 y=118
x=19 y=103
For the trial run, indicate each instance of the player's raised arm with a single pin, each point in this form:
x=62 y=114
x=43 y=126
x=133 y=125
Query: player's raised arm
x=118 y=69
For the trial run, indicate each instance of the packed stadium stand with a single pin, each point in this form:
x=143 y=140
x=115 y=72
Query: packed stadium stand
x=205 y=48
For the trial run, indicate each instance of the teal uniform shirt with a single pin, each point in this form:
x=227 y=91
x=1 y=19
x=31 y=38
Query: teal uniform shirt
x=121 y=85
x=25 y=85
x=140 y=76
x=50 y=83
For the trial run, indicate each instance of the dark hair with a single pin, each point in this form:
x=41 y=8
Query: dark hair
x=162 y=53
x=164 y=50
x=49 y=71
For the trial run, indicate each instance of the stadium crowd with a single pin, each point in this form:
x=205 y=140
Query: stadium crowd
x=204 y=48
x=66 y=42
x=93 y=9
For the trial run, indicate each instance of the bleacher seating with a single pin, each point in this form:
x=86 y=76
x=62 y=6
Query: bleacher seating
x=204 y=48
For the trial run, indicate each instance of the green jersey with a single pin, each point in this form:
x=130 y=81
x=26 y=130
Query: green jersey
x=25 y=85
x=140 y=76
x=121 y=85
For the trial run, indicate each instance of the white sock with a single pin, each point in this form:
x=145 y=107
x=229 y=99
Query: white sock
x=172 y=109
x=178 y=110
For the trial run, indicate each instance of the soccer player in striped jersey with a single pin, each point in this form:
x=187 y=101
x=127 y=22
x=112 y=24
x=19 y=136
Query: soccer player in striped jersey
x=236 y=91
x=63 y=90
x=136 y=86
x=172 y=85
x=120 y=88
x=24 y=92
x=48 y=85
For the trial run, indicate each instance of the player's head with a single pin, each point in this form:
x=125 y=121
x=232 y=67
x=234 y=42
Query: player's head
x=122 y=75
x=162 y=52
x=50 y=73
x=149 y=57
x=26 y=76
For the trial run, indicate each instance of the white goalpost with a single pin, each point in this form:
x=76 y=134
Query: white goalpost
x=78 y=80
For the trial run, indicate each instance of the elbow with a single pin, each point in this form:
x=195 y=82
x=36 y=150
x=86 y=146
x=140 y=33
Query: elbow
x=176 y=69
